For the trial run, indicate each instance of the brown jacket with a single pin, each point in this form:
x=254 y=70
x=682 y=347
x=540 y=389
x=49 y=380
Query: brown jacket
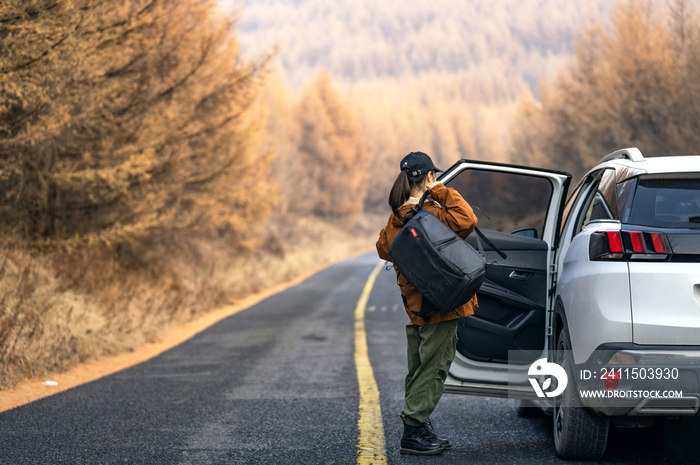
x=459 y=216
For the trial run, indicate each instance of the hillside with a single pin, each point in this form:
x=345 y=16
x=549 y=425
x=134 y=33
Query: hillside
x=436 y=75
x=363 y=40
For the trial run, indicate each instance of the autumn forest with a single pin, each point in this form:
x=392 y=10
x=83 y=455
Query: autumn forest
x=162 y=158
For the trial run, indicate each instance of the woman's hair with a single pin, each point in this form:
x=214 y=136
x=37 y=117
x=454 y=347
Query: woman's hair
x=401 y=190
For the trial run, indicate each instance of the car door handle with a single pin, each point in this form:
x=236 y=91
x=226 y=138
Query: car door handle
x=521 y=275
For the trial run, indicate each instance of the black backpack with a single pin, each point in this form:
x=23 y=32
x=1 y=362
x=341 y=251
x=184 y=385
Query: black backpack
x=437 y=262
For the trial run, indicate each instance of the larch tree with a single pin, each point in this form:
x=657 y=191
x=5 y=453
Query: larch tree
x=121 y=119
x=332 y=163
x=635 y=85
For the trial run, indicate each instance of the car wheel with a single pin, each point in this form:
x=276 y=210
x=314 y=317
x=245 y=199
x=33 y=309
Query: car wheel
x=578 y=433
x=527 y=409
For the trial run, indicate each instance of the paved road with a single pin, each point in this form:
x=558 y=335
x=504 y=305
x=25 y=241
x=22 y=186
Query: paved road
x=276 y=384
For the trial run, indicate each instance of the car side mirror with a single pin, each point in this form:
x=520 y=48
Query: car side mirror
x=527 y=232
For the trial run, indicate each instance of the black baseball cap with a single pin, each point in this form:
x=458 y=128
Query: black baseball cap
x=417 y=164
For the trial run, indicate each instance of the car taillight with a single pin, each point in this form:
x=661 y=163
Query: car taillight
x=615 y=241
x=660 y=243
x=628 y=245
x=611 y=380
x=637 y=241
x=606 y=245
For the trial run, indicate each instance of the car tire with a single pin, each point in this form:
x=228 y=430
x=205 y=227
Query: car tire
x=578 y=433
x=527 y=409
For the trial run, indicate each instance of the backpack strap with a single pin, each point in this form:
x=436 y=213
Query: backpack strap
x=418 y=207
x=409 y=214
x=423 y=198
x=479 y=234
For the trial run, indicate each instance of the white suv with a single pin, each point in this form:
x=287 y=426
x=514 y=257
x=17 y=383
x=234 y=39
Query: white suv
x=606 y=285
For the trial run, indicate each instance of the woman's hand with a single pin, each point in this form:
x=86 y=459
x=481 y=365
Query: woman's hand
x=433 y=184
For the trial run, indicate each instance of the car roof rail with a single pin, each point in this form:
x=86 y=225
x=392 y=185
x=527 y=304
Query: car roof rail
x=631 y=154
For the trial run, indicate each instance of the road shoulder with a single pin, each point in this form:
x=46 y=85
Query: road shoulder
x=32 y=390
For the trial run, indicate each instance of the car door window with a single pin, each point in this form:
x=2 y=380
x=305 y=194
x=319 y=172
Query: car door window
x=625 y=195
x=505 y=202
x=605 y=203
x=602 y=201
x=573 y=200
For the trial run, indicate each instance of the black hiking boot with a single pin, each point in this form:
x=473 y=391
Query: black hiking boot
x=416 y=440
x=433 y=435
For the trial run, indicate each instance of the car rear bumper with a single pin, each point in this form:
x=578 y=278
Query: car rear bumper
x=634 y=380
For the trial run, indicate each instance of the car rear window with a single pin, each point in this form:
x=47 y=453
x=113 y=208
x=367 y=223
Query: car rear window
x=667 y=203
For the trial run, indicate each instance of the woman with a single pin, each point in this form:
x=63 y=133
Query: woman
x=431 y=344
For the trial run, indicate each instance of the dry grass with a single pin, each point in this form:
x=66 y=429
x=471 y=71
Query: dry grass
x=57 y=311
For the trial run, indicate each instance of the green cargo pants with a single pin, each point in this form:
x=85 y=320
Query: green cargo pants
x=431 y=350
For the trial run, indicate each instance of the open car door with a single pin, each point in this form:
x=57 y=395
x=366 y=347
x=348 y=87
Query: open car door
x=519 y=210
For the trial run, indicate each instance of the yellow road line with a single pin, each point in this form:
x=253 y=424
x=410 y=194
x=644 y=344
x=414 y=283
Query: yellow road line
x=370 y=443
